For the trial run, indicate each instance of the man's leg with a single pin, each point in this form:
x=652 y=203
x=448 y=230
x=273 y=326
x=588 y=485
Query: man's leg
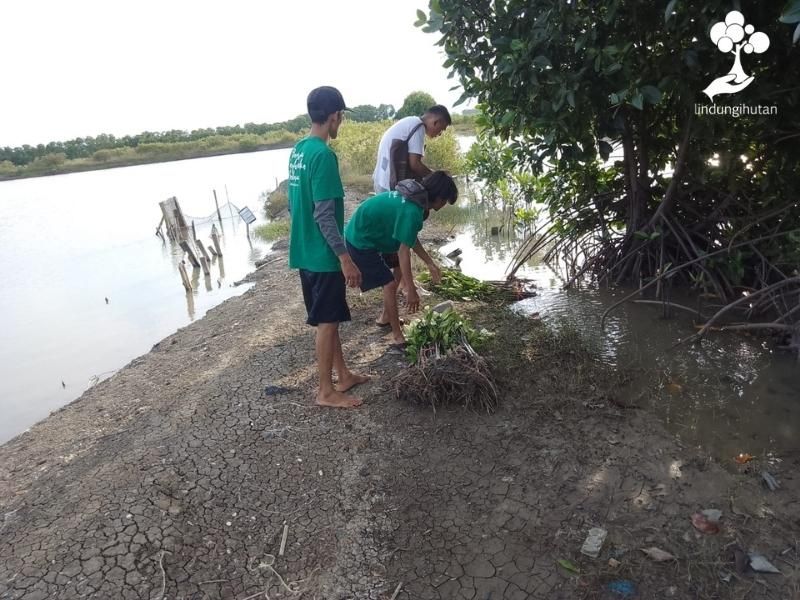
x=347 y=379
x=327 y=342
x=391 y=313
x=383 y=319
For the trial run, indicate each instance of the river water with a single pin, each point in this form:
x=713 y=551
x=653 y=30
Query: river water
x=68 y=242
x=732 y=394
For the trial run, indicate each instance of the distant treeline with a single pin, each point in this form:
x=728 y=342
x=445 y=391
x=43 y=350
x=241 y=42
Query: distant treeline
x=87 y=147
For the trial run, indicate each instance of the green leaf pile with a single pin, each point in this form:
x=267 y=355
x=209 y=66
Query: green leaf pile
x=437 y=333
x=457 y=286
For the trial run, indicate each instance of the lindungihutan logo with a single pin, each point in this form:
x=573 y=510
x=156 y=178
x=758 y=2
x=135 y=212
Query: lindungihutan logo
x=733 y=36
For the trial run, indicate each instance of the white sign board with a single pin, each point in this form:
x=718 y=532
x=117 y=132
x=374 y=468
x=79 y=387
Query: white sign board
x=247 y=215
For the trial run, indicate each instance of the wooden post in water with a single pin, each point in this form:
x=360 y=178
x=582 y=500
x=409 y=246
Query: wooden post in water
x=204 y=263
x=194 y=232
x=212 y=251
x=215 y=239
x=173 y=218
x=202 y=250
x=184 y=277
x=188 y=249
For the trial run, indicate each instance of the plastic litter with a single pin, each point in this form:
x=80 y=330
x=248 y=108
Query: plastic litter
x=623 y=588
x=594 y=542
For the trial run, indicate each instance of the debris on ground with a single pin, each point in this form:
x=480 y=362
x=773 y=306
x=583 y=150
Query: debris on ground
x=622 y=588
x=594 y=542
x=770 y=481
x=760 y=564
x=707 y=521
x=657 y=554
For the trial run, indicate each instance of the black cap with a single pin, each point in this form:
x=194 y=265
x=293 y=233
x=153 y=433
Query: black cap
x=324 y=101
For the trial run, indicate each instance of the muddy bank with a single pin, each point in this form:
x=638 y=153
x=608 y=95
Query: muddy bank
x=179 y=476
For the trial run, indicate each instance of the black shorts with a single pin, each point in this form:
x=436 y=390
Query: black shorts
x=325 y=296
x=391 y=259
x=375 y=272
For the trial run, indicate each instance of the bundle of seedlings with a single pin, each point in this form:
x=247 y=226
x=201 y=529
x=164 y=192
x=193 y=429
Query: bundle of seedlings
x=457 y=286
x=445 y=368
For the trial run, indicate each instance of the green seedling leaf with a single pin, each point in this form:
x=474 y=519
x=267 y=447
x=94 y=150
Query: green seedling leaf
x=569 y=566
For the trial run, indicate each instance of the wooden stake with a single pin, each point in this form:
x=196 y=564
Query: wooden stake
x=204 y=263
x=192 y=258
x=212 y=251
x=158 y=229
x=184 y=277
x=215 y=239
x=202 y=250
x=194 y=232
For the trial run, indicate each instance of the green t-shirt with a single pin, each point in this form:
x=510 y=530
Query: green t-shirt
x=383 y=222
x=313 y=176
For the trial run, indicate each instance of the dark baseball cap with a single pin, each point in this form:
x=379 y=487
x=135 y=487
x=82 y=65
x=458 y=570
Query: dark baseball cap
x=324 y=101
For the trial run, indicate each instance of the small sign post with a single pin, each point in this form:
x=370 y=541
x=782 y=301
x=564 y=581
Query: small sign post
x=248 y=217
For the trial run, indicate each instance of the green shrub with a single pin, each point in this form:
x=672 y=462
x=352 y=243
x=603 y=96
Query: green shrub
x=443 y=153
x=357 y=146
x=7 y=168
x=274 y=230
x=249 y=142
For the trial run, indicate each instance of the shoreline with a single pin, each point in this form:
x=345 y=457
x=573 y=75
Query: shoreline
x=86 y=167
x=189 y=467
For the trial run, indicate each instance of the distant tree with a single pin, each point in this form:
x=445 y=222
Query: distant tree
x=366 y=113
x=415 y=104
x=385 y=111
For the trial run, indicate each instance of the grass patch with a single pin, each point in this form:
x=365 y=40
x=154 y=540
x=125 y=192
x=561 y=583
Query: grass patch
x=362 y=184
x=274 y=230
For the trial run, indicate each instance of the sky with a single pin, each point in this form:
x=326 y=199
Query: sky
x=84 y=67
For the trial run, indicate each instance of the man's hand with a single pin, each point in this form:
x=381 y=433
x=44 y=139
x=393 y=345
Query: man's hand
x=352 y=276
x=436 y=273
x=412 y=299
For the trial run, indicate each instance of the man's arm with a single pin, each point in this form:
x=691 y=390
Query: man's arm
x=412 y=298
x=325 y=216
x=433 y=268
x=417 y=167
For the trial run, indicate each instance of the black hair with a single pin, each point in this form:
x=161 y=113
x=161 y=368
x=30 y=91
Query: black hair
x=441 y=112
x=319 y=116
x=440 y=186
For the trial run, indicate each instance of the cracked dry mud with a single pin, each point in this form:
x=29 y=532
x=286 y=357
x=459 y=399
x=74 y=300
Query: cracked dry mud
x=181 y=474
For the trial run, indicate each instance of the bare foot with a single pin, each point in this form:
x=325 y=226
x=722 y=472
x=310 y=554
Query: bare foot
x=395 y=339
x=351 y=380
x=338 y=400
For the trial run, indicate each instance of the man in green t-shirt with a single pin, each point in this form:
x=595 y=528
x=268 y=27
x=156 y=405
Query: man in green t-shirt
x=316 y=245
x=388 y=223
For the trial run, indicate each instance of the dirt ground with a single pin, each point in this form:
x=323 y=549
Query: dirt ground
x=185 y=474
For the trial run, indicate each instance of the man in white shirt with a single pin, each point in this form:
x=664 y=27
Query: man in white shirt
x=413 y=131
